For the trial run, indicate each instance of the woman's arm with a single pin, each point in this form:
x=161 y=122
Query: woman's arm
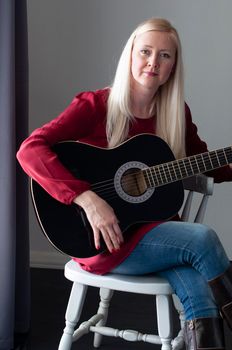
x=36 y=157
x=42 y=164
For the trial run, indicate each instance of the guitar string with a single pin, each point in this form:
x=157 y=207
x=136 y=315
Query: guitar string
x=108 y=190
x=159 y=169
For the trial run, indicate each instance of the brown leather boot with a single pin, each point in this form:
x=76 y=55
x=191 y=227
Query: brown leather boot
x=204 y=333
x=222 y=290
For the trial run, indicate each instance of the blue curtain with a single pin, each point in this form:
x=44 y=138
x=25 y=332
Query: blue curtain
x=14 y=241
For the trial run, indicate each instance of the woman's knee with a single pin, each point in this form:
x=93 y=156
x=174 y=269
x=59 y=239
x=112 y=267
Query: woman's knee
x=206 y=236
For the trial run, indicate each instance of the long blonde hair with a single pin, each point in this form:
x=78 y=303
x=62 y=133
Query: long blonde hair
x=168 y=104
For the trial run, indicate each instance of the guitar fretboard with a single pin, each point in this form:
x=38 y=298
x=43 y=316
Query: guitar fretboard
x=163 y=174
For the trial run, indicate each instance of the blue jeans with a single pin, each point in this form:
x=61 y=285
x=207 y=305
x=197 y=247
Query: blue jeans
x=187 y=255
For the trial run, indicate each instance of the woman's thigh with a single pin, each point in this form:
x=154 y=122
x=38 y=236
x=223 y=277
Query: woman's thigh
x=174 y=244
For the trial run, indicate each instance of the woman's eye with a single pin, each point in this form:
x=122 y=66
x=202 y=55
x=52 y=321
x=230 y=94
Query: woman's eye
x=145 y=52
x=165 y=55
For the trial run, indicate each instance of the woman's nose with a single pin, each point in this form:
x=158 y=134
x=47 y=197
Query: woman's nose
x=154 y=62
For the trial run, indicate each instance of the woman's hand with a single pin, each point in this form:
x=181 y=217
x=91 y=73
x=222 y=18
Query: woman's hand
x=102 y=220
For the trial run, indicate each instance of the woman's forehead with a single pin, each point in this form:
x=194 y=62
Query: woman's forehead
x=156 y=38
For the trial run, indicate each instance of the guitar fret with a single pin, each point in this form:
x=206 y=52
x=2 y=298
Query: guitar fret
x=194 y=164
x=163 y=175
x=224 y=154
x=214 y=159
x=228 y=152
x=168 y=173
x=175 y=170
x=200 y=163
x=203 y=162
x=189 y=167
x=159 y=175
x=217 y=157
x=208 y=160
x=149 y=177
x=155 y=180
x=183 y=168
x=146 y=177
x=221 y=156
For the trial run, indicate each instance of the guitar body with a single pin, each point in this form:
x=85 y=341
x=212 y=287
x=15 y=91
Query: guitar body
x=109 y=171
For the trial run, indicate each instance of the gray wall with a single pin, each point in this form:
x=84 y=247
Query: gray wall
x=74 y=46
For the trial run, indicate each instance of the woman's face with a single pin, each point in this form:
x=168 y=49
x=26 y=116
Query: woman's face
x=153 y=58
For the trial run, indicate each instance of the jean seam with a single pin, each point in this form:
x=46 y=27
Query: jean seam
x=186 y=290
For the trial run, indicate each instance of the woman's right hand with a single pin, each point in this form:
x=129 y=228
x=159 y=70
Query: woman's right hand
x=102 y=219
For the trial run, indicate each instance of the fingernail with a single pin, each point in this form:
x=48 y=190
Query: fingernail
x=116 y=250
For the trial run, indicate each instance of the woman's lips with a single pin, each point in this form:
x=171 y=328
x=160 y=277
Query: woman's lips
x=151 y=74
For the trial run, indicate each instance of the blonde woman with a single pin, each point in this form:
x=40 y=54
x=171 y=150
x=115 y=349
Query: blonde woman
x=146 y=96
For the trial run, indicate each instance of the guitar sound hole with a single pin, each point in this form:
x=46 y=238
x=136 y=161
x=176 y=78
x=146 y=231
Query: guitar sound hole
x=133 y=182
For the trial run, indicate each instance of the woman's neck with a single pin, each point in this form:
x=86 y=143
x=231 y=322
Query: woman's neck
x=141 y=103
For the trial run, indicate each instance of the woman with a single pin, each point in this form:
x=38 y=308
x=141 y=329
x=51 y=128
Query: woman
x=146 y=97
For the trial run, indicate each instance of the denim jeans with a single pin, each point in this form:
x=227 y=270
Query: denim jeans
x=187 y=255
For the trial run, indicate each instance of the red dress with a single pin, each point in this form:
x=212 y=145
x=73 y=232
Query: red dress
x=85 y=120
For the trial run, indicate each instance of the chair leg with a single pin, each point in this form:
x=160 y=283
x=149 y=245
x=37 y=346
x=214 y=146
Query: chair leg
x=164 y=317
x=105 y=297
x=72 y=316
x=178 y=342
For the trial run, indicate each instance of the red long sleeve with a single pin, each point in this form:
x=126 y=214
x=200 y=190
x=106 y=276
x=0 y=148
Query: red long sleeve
x=78 y=121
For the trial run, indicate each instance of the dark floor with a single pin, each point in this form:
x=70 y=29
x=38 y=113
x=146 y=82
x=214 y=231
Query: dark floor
x=50 y=293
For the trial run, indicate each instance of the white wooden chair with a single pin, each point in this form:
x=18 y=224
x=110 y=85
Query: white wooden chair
x=150 y=285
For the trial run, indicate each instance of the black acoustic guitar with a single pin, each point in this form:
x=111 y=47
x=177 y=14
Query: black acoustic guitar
x=140 y=179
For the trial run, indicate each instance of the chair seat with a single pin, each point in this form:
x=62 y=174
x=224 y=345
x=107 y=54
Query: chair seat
x=148 y=284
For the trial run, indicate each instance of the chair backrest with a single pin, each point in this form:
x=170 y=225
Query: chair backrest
x=200 y=184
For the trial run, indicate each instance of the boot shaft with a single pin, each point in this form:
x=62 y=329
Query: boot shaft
x=204 y=333
x=221 y=287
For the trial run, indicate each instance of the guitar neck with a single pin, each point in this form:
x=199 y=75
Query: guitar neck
x=180 y=169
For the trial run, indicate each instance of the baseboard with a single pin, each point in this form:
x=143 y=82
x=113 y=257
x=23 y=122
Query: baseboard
x=48 y=260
